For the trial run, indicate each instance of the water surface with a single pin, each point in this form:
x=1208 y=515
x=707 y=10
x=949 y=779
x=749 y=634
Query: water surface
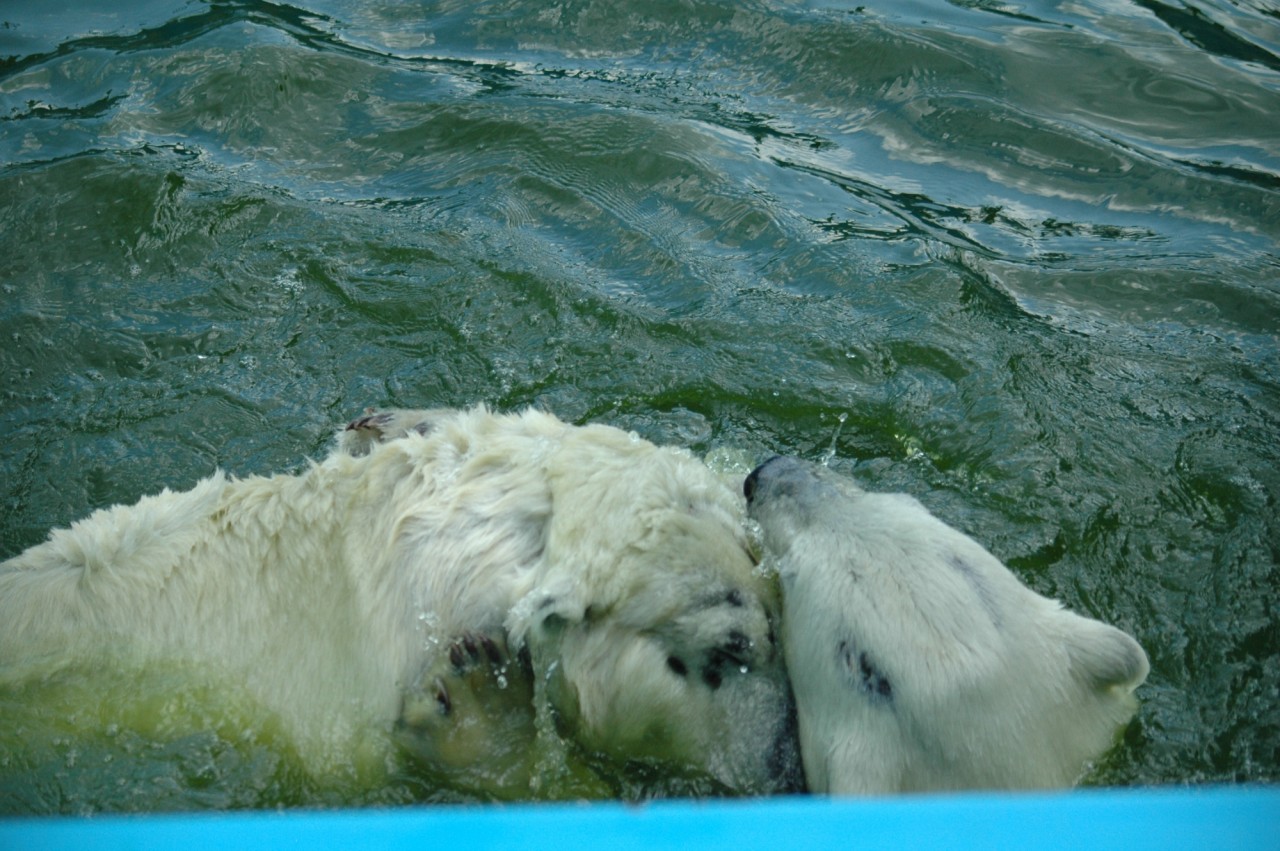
x=1016 y=258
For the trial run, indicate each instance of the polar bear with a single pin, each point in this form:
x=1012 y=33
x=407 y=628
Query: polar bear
x=608 y=580
x=917 y=660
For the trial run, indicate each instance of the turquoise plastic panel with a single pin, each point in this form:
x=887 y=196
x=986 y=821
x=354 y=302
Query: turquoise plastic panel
x=1211 y=818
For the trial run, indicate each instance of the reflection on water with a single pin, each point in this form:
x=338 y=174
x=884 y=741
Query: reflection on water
x=1016 y=258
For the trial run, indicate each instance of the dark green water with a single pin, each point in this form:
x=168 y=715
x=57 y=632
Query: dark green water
x=1017 y=258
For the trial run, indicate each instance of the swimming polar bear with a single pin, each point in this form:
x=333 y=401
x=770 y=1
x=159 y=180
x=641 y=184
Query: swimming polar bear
x=917 y=660
x=607 y=579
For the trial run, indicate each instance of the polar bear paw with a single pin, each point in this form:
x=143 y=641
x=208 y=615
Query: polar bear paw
x=471 y=714
x=467 y=721
x=480 y=674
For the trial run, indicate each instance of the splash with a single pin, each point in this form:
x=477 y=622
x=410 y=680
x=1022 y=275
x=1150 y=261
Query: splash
x=829 y=455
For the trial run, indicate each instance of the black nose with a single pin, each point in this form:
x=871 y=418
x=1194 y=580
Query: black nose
x=753 y=478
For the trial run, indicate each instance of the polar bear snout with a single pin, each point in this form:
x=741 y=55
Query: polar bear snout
x=764 y=476
x=788 y=495
x=736 y=652
x=786 y=479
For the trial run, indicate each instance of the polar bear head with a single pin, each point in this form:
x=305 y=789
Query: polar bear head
x=618 y=569
x=919 y=661
x=650 y=622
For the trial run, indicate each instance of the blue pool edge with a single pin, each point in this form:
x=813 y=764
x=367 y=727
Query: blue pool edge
x=1183 y=817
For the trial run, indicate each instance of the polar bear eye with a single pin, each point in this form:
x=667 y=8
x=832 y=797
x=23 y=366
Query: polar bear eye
x=677 y=665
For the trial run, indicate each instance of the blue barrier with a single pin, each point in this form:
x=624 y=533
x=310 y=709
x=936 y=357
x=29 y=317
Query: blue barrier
x=1214 y=817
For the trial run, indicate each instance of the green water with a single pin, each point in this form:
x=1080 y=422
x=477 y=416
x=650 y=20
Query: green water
x=1016 y=258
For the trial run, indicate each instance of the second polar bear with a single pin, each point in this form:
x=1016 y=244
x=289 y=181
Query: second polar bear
x=918 y=661
x=346 y=599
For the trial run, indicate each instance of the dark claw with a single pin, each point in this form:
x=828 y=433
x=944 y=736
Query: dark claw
x=491 y=649
x=442 y=697
x=469 y=649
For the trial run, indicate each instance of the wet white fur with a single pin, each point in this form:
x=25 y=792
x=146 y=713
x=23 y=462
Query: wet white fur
x=969 y=679
x=327 y=594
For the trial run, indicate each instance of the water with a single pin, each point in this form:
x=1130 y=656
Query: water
x=1016 y=258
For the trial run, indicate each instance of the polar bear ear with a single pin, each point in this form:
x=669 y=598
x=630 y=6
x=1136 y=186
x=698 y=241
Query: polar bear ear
x=544 y=612
x=1104 y=657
